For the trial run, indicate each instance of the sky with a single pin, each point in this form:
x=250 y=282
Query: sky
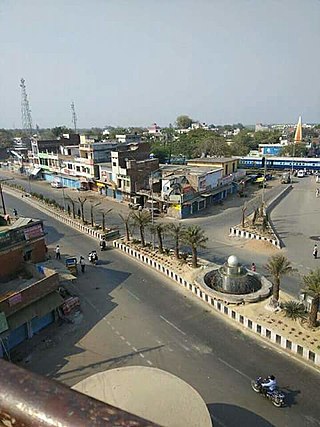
x=136 y=62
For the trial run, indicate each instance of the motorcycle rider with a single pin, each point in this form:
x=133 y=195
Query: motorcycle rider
x=93 y=256
x=103 y=244
x=269 y=384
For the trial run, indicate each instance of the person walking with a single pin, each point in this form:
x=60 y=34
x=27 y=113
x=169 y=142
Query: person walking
x=58 y=255
x=253 y=267
x=15 y=212
x=317 y=192
x=315 y=251
x=82 y=264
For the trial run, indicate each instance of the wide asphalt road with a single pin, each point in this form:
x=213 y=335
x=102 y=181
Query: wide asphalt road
x=135 y=316
x=298 y=223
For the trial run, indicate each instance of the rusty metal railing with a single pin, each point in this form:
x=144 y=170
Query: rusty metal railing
x=29 y=400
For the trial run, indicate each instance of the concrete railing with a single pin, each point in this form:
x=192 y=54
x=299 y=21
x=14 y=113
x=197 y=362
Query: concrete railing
x=54 y=213
x=238 y=232
x=264 y=332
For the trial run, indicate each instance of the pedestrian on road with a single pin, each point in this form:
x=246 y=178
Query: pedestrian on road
x=315 y=251
x=82 y=264
x=317 y=192
x=58 y=255
x=253 y=267
x=15 y=212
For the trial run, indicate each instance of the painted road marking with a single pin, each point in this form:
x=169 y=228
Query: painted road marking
x=142 y=355
x=174 y=326
x=234 y=369
x=150 y=363
x=133 y=295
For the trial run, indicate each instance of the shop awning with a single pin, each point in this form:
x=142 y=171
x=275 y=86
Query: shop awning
x=37 y=309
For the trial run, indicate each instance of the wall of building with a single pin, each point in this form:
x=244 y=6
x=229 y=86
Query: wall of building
x=12 y=259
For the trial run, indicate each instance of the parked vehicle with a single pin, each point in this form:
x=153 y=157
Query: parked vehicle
x=56 y=184
x=276 y=396
x=285 y=178
x=300 y=173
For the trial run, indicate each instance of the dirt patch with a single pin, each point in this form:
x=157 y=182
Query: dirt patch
x=260 y=246
x=296 y=330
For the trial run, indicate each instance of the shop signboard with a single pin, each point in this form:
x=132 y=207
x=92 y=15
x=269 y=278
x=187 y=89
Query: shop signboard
x=33 y=232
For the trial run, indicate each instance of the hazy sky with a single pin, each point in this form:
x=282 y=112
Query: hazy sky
x=135 y=62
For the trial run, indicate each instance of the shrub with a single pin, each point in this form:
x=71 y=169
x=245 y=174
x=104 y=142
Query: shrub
x=294 y=310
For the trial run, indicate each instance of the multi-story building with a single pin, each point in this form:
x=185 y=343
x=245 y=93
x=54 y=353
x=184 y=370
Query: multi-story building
x=228 y=164
x=28 y=293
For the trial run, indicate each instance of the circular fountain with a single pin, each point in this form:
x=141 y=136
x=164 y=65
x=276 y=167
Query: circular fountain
x=234 y=283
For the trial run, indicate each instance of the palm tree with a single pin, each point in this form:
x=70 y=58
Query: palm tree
x=194 y=237
x=312 y=283
x=103 y=216
x=294 y=310
x=176 y=231
x=141 y=219
x=127 y=222
x=278 y=266
x=159 y=229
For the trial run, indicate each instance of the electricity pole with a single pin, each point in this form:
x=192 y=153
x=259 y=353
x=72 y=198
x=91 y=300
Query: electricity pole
x=2 y=197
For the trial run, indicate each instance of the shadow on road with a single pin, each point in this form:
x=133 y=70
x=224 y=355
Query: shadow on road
x=226 y=415
x=102 y=365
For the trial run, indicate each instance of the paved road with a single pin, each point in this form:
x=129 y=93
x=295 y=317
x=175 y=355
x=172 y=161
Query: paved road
x=298 y=223
x=216 y=222
x=135 y=316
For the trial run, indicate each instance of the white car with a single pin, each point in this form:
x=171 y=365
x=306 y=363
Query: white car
x=56 y=184
x=300 y=173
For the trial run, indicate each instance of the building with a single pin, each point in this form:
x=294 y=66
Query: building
x=228 y=164
x=154 y=130
x=130 y=169
x=128 y=139
x=28 y=292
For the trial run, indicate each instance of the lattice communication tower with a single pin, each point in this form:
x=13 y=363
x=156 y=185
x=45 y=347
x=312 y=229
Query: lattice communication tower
x=74 y=117
x=25 y=109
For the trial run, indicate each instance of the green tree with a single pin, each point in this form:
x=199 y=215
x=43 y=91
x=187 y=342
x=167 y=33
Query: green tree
x=159 y=229
x=298 y=150
x=312 y=284
x=183 y=122
x=127 y=224
x=278 y=266
x=58 y=131
x=195 y=237
x=141 y=219
x=213 y=145
x=176 y=231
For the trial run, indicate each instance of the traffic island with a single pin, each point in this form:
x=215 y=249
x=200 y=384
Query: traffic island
x=274 y=328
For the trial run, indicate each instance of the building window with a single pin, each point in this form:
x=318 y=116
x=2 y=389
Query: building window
x=114 y=164
x=27 y=255
x=78 y=168
x=69 y=165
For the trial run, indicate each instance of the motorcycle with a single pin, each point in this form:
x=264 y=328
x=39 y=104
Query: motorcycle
x=276 y=396
x=103 y=245
x=93 y=257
